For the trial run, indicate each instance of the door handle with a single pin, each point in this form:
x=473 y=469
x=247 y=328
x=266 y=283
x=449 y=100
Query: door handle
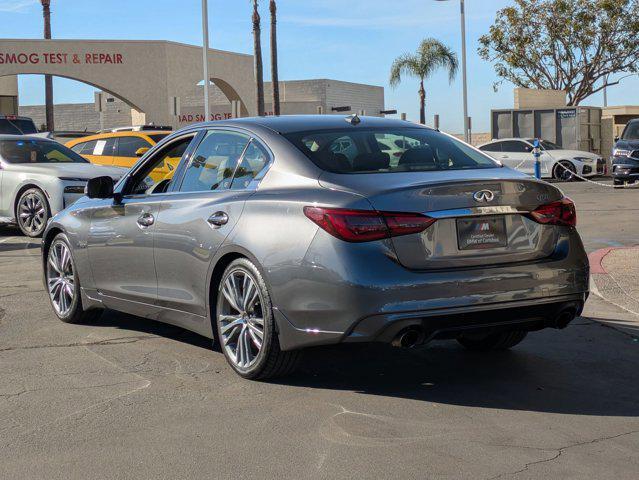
x=218 y=219
x=145 y=220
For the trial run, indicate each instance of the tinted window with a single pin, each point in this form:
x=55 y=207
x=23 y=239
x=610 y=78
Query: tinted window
x=214 y=162
x=491 y=147
x=34 y=151
x=87 y=147
x=77 y=148
x=253 y=162
x=631 y=132
x=514 y=146
x=17 y=127
x=127 y=146
x=354 y=150
x=158 y=136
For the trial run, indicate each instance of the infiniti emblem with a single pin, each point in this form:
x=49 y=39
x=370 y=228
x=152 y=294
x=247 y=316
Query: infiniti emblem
x=484 y=196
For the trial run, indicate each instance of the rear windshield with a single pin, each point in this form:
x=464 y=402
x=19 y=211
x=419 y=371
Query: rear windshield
x=16 y=126
x=37 y=151
x=631 y=131
x=354 y=150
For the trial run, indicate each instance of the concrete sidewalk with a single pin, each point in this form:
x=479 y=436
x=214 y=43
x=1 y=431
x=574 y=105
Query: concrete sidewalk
x=615 y=280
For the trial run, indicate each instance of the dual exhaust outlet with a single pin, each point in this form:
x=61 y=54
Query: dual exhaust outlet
x=415 y=335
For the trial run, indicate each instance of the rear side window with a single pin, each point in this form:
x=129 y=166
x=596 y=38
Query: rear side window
x=354 y=150
x=127 y=146
x=158 y=136
x=514 y=146
x=491 y=147
x=253 y=162
x=86 y=148
x=214 y=162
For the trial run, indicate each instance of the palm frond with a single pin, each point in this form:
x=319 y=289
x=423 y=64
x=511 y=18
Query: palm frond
x=406 y=64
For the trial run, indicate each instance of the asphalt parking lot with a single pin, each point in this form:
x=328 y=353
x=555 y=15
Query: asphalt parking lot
x=129 y=398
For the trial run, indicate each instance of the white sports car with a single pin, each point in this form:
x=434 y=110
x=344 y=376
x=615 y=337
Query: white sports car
x=39 y=178
x=555 y=162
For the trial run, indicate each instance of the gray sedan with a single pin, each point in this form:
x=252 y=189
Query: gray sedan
x=39 y=178
x=275 y=234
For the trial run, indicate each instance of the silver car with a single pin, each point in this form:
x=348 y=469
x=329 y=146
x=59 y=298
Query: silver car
x=269 y=237
x=39 y=178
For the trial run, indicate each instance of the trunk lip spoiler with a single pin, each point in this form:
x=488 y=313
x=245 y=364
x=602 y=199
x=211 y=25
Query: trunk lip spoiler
x=476 y=211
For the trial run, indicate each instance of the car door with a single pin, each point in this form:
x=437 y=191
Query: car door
x=195 y=219
x=517 y=154
x=121 y=235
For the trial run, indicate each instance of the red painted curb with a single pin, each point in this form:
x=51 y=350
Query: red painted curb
x=596 y=258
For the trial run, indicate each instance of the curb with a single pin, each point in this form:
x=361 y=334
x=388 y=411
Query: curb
x=596 y=259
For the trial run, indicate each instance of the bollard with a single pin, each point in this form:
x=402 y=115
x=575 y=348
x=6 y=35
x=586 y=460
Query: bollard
x=537 y=153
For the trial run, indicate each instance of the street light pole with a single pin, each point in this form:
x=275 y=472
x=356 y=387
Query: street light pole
x=465 y=86
x=205 y=57
x=462 y=9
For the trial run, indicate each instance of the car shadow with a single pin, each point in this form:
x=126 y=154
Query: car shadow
x=12 y=239
x=586 y=369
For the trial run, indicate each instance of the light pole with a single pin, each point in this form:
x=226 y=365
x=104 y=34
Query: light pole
x=205 y=56
x=463 y=55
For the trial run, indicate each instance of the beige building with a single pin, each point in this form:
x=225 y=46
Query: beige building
x=157 y=81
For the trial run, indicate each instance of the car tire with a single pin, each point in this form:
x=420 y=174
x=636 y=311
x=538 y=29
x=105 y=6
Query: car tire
x=617 y=183
x=491 y=341
x=561 y=169
x=245 y=325
x=63 y=285
x=32 y=212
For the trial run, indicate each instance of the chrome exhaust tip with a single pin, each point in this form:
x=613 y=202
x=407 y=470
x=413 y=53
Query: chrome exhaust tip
x=408 y=338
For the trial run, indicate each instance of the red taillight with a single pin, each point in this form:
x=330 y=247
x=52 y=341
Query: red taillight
x=561 y=212
x=366 y=225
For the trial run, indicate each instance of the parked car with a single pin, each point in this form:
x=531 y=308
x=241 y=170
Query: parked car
x=625 y=155
x=555 y=161
x=269 y=241
x=14 y=125
x=63 y=136
x=39 y=178
x=121 y=148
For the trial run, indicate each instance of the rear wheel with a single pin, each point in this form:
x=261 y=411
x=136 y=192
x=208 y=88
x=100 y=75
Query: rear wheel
x=491 y=341
x=32 y=212
x=63 y=284
x=245 y=325
x=618 y=183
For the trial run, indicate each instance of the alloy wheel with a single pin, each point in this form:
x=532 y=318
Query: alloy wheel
x=32 y=213
x=241 y=318
x=60 y=280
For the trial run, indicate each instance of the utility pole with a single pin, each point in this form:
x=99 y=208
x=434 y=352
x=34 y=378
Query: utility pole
x=205 y=57
x=48 y=79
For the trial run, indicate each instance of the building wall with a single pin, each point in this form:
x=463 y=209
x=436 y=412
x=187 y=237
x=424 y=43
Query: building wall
x=536 y=98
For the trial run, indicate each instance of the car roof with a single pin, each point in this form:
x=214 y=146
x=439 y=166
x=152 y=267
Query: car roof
x=301 y=123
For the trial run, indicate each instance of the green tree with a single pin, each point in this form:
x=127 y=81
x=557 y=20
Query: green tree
x=430 y=56
x=570 y=45
x=257 y=52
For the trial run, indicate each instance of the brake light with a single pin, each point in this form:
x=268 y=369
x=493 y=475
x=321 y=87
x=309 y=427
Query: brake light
x=366 y=225
x=561 y=212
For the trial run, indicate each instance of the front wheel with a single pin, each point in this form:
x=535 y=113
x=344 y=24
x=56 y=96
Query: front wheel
x=491 y=341
x=32 y=212
x=245 y=325
x=565 y=171
x=63 y=284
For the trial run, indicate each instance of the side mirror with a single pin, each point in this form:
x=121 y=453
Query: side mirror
x=616 y=138
x=99 y=187
x=141 y=151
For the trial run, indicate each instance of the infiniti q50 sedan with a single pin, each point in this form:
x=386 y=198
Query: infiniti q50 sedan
x=275 y=234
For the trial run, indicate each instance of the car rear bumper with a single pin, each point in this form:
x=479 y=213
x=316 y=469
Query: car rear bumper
x=366 y=299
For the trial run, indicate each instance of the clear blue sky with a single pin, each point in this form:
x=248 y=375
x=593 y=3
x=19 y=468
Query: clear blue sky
x=354 y=40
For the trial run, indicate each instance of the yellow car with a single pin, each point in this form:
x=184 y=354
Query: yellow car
x=122 y=149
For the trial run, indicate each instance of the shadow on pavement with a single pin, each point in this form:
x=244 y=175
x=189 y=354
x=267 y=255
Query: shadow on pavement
x=586 y=369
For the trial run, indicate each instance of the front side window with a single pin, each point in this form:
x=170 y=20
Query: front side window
x=35 y=151
x=514 y=146
x=491 y=147
x=127 y=146
x=387 y=150
x=214 y=162
x=156 y=176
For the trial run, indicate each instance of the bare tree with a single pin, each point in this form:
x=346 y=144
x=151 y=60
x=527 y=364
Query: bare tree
x=570 y=45
x=431 y=55
x=259 y=68
x=48 y=80
x=274 y=73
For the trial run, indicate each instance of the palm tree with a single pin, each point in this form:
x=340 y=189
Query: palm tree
x=431 y=55
x=274 y=74
x=48 y=80
x=259 y=69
